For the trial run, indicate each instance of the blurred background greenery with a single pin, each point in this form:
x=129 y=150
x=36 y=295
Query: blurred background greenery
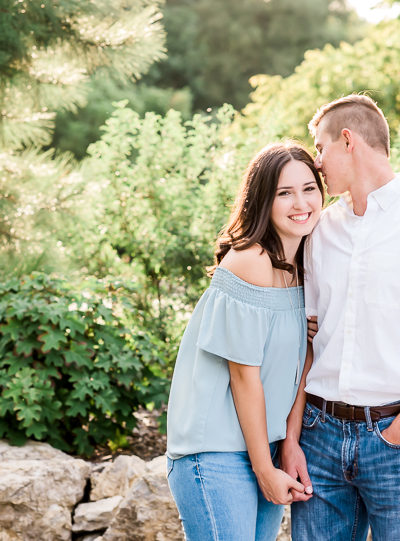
x=125 y=129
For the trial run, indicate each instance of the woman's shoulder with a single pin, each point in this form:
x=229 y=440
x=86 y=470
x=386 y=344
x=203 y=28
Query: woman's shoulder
x=253 y=265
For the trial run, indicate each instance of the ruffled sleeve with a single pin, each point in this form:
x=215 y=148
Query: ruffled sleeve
x=232 y=325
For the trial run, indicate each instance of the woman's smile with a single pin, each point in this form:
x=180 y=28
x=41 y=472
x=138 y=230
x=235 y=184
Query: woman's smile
x=300 y=218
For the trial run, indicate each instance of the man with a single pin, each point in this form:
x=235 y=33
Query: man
x=350 y=429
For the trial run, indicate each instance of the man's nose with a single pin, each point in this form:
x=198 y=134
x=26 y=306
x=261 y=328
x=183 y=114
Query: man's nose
x=317 y=162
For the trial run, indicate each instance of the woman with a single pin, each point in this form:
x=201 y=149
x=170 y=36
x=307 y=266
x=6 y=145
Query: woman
x=241 y=358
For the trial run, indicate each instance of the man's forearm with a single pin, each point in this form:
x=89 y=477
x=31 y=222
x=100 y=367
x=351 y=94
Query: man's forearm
x=292 y=458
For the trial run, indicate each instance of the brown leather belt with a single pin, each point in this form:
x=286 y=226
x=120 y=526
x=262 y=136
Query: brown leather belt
x=353 y=413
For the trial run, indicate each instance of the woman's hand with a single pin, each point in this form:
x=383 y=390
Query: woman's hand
x=276 y=485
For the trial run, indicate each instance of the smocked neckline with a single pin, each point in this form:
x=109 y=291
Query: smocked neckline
x=276 y=298
x=253 y=286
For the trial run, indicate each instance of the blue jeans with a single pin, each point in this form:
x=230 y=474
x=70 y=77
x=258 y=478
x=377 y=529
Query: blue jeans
x=355 y=473
x=218 y=498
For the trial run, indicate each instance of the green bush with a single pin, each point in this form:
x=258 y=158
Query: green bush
x=71 y=373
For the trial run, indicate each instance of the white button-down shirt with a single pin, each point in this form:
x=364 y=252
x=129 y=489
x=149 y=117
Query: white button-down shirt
x=352 y=283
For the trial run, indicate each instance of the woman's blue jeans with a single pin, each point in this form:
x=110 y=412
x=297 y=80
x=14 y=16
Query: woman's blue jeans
x=218 y=498
x=355 y=474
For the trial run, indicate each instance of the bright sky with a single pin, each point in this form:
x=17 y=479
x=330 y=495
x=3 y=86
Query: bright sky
x=364 y=9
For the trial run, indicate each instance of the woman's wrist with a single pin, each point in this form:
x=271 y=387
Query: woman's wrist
x=263 y=467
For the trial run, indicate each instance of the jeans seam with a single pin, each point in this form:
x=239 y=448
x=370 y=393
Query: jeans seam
x=356 y=513
x=208 y=506
x=343 y=452
x=356 y=450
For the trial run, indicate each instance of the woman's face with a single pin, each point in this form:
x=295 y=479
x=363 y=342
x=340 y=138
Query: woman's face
x=298 y=202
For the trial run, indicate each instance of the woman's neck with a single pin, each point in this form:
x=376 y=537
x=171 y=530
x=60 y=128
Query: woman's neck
x=290 y=248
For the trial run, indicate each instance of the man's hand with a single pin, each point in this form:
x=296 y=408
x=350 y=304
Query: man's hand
x=312 y=327
x=392 y=432
x=293 y=462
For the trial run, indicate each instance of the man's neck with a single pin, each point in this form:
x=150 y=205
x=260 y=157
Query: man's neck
x=370 y=177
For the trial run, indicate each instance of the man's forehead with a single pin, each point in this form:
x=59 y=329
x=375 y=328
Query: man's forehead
x=321 y=132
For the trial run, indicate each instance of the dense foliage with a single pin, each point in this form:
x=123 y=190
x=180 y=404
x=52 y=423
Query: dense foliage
x=71 y=372
x=166 y=189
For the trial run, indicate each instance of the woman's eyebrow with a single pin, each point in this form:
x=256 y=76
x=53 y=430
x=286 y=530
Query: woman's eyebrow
x=289 y=187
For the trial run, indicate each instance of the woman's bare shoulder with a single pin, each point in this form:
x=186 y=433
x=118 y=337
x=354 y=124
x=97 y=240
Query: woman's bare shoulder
x=251 y=265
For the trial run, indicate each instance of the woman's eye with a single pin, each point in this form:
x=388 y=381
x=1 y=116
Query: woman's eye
x=283 y=193
x=310 y=188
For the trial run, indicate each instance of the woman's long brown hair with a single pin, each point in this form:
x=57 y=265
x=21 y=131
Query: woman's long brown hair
x=250 y=219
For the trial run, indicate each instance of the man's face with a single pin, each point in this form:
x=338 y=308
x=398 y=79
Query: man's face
x=331 y=160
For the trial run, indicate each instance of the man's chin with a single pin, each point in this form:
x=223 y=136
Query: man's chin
x=333 y=193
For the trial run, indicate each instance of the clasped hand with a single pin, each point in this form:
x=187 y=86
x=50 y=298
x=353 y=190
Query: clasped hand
x=278 y=487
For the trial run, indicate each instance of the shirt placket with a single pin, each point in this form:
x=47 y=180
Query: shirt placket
x=346 y=375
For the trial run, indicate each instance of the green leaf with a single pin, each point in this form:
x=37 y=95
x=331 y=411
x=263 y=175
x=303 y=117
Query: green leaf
x=19 y=308
x=76 y=326
x=28 y=414
x=77 y=408
x=52 y=340
x=78 y=355
x=38 y=430
x=105 y=401
x=26 y=346
x=12 y=328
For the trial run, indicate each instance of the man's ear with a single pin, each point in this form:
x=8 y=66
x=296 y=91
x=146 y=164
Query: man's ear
x=348 y=139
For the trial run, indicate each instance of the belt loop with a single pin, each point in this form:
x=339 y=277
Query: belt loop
x=323 y=413
x=368 y=418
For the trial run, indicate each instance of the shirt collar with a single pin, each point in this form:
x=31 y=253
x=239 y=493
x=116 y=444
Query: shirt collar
x=388 y=193
x=384 y=196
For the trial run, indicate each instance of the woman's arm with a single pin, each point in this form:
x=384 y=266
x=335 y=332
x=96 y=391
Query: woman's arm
x=248 y=395
x=292 y=457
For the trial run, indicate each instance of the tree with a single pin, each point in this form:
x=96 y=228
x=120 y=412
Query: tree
x=48 y=51
x=286 y=105
x=215 y=46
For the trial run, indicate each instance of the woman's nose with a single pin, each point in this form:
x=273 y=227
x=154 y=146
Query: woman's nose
x=299 y=201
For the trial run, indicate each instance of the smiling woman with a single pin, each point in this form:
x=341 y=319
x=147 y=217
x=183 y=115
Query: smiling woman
x=281 y=182
x=242 y=356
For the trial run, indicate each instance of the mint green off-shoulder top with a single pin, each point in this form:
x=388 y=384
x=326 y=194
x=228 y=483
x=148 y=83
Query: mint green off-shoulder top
x=246 y=324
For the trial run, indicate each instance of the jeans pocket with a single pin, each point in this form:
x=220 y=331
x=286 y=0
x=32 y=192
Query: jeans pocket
x=311 y=417
x=378 y=432
x=170 y=465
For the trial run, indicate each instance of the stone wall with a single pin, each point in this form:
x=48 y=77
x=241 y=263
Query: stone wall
x=46 y=495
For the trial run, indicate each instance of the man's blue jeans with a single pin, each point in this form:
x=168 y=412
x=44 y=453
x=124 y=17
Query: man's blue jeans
x=355 y=474
x=218 y=498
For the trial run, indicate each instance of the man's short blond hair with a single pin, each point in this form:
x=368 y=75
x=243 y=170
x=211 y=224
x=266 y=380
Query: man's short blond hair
x=358 y=113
